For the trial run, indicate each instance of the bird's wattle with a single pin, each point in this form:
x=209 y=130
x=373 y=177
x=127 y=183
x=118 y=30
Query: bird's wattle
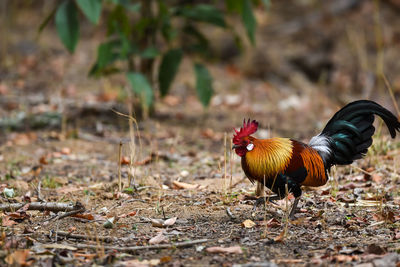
x=241 y=151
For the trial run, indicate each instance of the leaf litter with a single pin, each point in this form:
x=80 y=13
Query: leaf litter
x=180 y=181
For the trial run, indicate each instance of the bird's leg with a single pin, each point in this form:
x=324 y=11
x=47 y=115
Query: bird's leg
x=294 y=207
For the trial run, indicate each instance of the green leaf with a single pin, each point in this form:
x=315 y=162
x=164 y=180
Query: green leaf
x=67 y=24
x=249 y=20
x=234 y=6
x=150 y=52
x=204 y=13
x=105 y=55
x=168 y=69
x=141 y=87
x=118 y=22
x=167 y=31
x=203 y=84
x=91 y=9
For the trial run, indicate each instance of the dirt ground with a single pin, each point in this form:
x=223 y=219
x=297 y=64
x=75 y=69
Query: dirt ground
x=189 y=203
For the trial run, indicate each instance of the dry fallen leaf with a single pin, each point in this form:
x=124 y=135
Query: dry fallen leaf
x=157 y=222
x=71 y=229
x=107 y=96
x=171 y=101
x=65 y=151
x=397 y=236
x=170 y=221
x=376 y=178
x=248 y=223
x=134 y=263
x=129 y=214
x=23 y=139
x=6 y=221
x=3 y=89
x=125 y=160
x=387 y=216
x=344 y=258
x=86 y=216
x=161 y=223
x=152 y=262
x=182 y=185
x=158 y=239
x=273 y=223
x=280 y=237
x=233 y=250
x=165 y=259
x=43 y=160
x=18 y=258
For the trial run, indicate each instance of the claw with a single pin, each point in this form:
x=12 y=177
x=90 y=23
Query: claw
x=258 y=202
x=263 y=200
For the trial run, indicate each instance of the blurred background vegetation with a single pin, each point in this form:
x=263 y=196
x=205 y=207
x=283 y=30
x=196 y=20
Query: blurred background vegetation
x=64 y=61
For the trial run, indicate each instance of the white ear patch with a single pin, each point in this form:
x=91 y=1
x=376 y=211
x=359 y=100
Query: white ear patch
x=250 y=147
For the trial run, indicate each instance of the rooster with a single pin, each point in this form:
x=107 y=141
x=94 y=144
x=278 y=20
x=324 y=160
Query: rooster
x=284 y=165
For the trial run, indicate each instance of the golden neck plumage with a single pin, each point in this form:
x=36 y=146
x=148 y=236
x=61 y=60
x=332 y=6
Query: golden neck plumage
x=269 y=157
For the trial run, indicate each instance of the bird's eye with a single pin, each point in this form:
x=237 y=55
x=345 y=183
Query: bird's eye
x=250 y=147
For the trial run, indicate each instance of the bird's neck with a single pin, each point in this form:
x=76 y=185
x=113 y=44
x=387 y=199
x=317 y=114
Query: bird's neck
x=269 y=156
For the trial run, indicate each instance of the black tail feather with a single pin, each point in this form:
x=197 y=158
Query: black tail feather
x=350 y=130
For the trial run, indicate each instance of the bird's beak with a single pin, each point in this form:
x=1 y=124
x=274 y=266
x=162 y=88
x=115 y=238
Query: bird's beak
x=235 y=146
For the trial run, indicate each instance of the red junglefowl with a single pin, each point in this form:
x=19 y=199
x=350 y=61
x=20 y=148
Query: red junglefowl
x=284 y=165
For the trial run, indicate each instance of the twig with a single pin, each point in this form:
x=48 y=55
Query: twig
x=362 y=170
x=376 y=223
x=39 y=194
x=61 y=216
x=136 y=248
x=228 y=211
x=225 y=156
x=50 y=206
x=230 y=166
x=107 y=239
x=238 y=182
x=119 y=167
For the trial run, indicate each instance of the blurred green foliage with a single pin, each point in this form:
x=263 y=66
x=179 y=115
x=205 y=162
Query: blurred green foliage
x=143 y=31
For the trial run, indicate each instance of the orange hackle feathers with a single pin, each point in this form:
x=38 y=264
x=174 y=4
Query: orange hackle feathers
x=268 y=157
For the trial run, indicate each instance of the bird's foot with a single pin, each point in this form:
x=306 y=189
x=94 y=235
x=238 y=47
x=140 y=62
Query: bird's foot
x=259 y=201
x=262 y=200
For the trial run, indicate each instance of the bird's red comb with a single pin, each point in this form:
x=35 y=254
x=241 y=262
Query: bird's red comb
x=247 y=129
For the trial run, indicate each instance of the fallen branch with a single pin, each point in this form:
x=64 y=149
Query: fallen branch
x=66 y=214
x=50 y=206
x=107 y=239
x=136 y=248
